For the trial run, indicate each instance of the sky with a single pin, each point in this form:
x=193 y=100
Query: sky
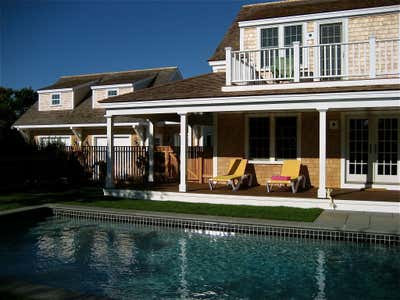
x=43 y=40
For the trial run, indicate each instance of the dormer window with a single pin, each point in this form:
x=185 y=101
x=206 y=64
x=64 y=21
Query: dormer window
x=55 y=99
x=112 y=93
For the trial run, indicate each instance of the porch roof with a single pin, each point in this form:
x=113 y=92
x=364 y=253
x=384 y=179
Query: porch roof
x=209 y=86
x=285 y=9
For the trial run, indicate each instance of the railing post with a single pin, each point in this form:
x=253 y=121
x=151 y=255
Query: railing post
x=372 y=56
x=228 y=67
x=110 y=153
x=296 y=61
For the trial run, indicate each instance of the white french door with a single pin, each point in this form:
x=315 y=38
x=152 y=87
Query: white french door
x=373 y=149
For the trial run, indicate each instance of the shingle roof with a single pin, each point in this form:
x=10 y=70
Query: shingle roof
x=287 y=8
x=209 y=86
x=83 y=113
x=111 y=78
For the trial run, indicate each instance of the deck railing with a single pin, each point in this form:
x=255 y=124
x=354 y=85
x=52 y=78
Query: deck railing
x=131 y=162
x=337 y=61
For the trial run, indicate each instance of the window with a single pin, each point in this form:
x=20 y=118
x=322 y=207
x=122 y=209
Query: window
x=293 y=34
x=112 y=93
x=279 y=37
x=285 y=137
x=272 y=138
x=56 y=139
x=55 y=99
x=259 y=137
x=269 y=39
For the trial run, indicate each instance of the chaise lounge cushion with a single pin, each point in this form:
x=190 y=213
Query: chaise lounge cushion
x=280 y=177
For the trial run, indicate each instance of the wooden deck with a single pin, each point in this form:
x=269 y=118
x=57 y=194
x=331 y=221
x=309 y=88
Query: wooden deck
x=342 y=194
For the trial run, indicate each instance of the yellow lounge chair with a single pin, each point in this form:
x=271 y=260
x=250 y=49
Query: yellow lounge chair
x=291 y=172
x=235 y=176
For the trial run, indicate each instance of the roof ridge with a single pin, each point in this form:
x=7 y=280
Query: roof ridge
x=274 y=2
x=119 y=72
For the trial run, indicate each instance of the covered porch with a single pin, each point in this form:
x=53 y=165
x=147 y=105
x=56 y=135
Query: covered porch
x=331 y=131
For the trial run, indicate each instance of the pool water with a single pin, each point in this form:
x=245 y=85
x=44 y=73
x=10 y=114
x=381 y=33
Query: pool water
x=137 y=262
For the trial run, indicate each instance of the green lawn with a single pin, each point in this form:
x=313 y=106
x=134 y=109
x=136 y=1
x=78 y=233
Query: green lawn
x=94 y=197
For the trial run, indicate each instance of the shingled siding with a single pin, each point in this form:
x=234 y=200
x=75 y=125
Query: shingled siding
x=66 y=97
x=231 y=144
x=101 y=94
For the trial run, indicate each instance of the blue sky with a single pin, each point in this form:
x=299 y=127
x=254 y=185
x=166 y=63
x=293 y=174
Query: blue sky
x=42 y=40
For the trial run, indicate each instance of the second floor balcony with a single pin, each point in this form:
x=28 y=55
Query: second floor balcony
x=370 y=59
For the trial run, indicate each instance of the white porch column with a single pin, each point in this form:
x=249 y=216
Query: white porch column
x=183 y=154
x=322 y=153
x=150 y=144
x=189 y=135
x=110 y=153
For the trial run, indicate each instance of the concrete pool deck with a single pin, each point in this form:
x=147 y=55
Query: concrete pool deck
x=363 y=222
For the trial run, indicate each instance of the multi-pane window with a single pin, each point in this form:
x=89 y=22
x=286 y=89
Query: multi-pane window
x=259 y=137
x=112 y=93
x=293 y=34
x=285 y=137
x=63 y=140
x=261 y=140
x=269 y=39
x=330 y=56
x=55 y=99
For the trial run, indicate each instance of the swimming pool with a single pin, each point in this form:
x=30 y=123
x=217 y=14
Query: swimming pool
x=142 y=262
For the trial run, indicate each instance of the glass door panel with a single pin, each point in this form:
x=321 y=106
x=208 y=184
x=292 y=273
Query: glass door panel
x=358 y=154
x=330 y=35
x=387 y=151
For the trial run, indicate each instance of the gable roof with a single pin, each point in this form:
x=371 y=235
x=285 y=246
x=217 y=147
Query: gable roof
x=209 y=86
x=285 y=9
x=84 y=113
x=110 y=78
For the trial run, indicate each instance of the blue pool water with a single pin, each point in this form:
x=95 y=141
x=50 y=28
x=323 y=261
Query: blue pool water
x=136 y=262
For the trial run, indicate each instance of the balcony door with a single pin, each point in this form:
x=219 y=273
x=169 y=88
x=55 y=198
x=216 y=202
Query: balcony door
x=330 y=51
x=373 y=155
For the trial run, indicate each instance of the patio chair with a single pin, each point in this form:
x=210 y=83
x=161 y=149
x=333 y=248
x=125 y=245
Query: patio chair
x=234 y=177
x=290 y=176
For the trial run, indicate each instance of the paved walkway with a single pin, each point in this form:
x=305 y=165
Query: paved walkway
x=360 y=221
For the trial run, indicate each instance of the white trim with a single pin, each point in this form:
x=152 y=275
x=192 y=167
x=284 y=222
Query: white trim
x=313 y=84
x=352 y=185
x=215 y=144
x=55 y=91
x=73 y=125
x=217 y=65
x=267 y=99
x=94 y=136
x=392 y=103
x=318 y=16
x=346 y=205
x=111 y=86
x=241 y=42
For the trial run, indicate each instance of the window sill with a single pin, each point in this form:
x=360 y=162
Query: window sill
x=265 y=162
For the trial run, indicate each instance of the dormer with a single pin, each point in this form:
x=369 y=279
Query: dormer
x=120 y=83
x=62 y=98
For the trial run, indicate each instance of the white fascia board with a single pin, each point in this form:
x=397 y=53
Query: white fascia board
x=71 y=125
x=314 y=84
x=318 y=16
x=358 y=102
x=217 y=65
x=55 y=90
x=159 y=104
x=110 y=86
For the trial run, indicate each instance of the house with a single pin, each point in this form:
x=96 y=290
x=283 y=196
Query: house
x=313 y=80
x=69 y=111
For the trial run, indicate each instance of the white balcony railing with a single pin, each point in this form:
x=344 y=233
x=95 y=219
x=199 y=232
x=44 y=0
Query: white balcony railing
x=341 y=61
